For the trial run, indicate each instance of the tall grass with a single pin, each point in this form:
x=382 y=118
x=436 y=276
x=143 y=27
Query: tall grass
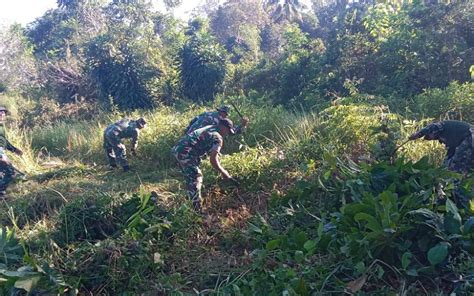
x=85 y=208
x=83 y=140
x=340 y=129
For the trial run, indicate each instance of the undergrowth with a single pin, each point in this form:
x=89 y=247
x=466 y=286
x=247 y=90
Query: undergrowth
x=324 y=206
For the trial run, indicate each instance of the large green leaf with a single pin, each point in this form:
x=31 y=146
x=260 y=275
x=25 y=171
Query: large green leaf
x=469 y=225
x=438 y=253
x=273 y=244
x=451 y=224
x=453 y=210
x=372 y=223
x=309 y=245
x=406 y=259
x=27 y=283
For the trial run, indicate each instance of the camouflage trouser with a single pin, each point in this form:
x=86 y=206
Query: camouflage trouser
x=463 y=159
x=115 y=150
x=6 y=175
x=193 y=177
x=462 y=162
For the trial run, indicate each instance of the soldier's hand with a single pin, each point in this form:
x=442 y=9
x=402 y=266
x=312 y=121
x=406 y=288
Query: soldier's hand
x=413 y=136
x=4 y=160
x=244 y=121
x=19 y=152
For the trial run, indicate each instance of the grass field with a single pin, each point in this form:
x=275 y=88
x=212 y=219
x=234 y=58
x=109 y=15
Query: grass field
x=113 y=233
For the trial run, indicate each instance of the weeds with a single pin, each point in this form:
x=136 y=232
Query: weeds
x=317 y=211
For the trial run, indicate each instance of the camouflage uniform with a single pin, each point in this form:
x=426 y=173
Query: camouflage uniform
x=189 y=151
x=209 y=118
x=7 y=171
x=113 y=146
x=458 y=137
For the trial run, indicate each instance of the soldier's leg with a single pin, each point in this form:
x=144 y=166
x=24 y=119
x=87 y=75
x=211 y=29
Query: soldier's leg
x=121 y=156
x=109 y=152
x=6 y=176
x=193 y=177
x=119 y=150
x=462 y=162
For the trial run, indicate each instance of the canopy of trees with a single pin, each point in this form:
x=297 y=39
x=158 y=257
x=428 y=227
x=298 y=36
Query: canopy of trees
x=126 y=54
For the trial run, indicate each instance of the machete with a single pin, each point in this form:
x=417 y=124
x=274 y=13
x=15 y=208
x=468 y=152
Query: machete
x=398 y=147
x=238 y=112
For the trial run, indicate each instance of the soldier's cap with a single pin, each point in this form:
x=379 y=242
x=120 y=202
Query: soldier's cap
x=227 y=123
x=141 y=122
x=224 y=108
x=3 y=108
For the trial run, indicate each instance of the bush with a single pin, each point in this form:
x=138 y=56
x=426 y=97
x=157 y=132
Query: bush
x=125 y=72
x=367 y=223
x=203 y=65
x=454 y=102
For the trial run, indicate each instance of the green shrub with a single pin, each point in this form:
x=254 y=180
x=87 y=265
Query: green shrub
x=374 y=221
x=454 y=102
x=203 y=64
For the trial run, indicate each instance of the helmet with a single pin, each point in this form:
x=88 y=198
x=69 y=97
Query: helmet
x=141 y=122
x=3 y=108
x=227 y=123
x=224 y=108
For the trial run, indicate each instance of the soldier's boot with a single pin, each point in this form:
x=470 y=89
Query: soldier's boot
x=126 y=168
x=197 y=205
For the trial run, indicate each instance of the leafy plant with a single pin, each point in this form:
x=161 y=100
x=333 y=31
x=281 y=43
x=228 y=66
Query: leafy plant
x=203 y=65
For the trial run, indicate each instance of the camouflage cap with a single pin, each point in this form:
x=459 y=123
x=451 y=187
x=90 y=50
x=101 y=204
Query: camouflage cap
x=227 y=123
x=3 y=108
x=141 y=122
x=224 y=108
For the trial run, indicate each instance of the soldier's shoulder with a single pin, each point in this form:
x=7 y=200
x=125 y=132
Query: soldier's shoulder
x=456 y=125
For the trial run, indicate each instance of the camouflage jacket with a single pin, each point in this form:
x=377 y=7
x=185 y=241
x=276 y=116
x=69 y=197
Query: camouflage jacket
x=450 y=132
x=123 y=129
x=199 y=143
x=205 y=119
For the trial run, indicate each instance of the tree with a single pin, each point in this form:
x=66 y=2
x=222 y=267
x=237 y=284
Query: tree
x=237 y=25
x=124 y=71
x=17 y=64
x=206 y=8
x=125 y=62
x=203 y=63
x=271 y=39
x=288 y=11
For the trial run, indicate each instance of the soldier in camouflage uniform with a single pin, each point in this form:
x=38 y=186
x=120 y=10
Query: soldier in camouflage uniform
x=113 y=146
x=458 y=137
x=212 y=118
x=7 y=171
x=192 y=147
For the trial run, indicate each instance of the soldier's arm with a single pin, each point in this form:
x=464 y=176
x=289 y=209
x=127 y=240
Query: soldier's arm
x=214 y=158
x=416 y=135
x=134 y=141
x=423 y=132
x=13 y=149
x=216 y=164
